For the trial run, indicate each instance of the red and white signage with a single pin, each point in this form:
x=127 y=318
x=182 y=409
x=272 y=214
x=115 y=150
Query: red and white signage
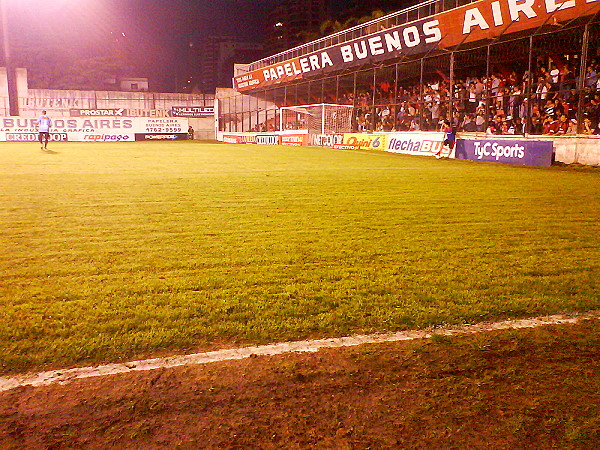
x=485 y=19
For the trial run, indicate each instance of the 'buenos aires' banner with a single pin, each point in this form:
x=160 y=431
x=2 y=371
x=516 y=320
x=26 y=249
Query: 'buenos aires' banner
x=107 y=129
x=484 y=19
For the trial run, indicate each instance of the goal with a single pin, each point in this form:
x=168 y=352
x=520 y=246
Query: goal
x=321 y=118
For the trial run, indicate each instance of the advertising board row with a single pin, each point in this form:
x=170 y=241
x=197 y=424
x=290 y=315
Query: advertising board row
x=108 y=129
x=267 y=139
x=176 y=111
x=508 y=151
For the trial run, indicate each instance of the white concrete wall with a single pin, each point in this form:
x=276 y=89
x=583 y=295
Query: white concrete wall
x=22 y=83
x=4 y=106
x=577 y=150
x=58 y=103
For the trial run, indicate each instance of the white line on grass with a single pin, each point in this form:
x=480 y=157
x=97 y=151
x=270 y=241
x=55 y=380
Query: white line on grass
x=68 y=375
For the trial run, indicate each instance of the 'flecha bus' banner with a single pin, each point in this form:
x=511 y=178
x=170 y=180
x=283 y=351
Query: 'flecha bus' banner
x=485 y=19
x=529 y=153
x=418 y=143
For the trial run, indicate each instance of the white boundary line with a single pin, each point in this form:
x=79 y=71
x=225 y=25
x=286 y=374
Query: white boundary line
x=68 y=375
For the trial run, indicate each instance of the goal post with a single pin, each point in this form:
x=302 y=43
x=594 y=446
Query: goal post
x=320 y=118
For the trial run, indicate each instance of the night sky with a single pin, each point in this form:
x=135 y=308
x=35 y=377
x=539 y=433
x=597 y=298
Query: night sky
x=153 y=33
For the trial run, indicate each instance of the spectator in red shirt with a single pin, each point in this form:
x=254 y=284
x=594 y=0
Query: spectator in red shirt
x=562 y=126
x=550 y=125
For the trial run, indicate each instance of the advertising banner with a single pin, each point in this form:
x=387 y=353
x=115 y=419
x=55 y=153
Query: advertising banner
x=529 y=153
x=327 y=140
x=418 y=143
x=106 y=129
x=192 y=111
x=239 y=139
x=160 y=136
x=294 y=139
x=119 y=112
x=111 y=112
x=102 y=137
x=232 y=139
x=484 y=19
x=363 y=141
x=161 y=125
x=417 y=37
x=266 y=139
x=33 y=137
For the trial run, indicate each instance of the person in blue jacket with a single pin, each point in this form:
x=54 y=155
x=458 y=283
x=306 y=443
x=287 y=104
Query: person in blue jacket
x=449 y=139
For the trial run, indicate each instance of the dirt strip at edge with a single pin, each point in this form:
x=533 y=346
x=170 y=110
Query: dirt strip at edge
x=67 y=375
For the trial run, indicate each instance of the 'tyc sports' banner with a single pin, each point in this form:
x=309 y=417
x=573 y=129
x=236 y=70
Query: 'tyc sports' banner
x=529 y=153
x=485 y=19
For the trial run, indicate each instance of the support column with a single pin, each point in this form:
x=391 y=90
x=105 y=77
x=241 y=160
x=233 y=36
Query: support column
x=527 y=92
x=421 y=108
x=486 y=88
x=11 y=78
x=373 y=112
x=451 y=90
x=582 y=72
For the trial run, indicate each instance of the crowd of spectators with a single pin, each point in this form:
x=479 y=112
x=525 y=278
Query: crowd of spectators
x=548 y=101
x=506 y=102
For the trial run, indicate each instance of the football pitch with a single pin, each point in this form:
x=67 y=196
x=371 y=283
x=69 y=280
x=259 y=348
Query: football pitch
x=128 y=250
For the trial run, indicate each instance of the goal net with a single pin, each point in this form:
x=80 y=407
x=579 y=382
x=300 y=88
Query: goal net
x=322 y=118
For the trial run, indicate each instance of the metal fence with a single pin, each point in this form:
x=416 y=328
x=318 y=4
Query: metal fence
x=420 y=11
x=60 y=103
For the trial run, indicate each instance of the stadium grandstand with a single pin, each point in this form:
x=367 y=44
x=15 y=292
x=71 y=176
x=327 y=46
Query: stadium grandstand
x=506 y=68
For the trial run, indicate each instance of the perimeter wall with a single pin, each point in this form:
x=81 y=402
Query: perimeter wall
x=516 y=149
x=114 y=115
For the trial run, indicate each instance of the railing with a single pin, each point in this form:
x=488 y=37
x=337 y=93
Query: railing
x=59 y=103
x=416 y=12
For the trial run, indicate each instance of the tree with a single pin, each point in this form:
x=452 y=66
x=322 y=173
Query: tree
x=329 y=27
x=98 y=73
x=53 y=67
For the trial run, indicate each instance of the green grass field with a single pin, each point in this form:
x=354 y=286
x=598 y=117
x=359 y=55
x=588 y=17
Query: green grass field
x=116 y=251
